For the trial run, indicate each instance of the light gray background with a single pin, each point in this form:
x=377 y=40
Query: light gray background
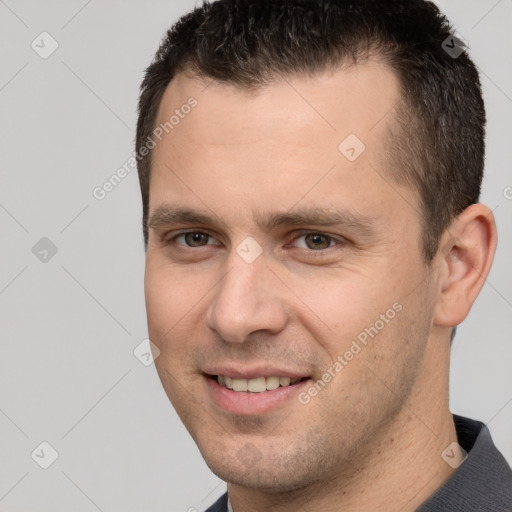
x=69 y=326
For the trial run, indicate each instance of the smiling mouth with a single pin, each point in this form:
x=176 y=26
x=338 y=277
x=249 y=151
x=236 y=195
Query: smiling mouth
x=257 y=384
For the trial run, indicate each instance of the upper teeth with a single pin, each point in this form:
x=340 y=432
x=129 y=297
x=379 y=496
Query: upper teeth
x=256 y=385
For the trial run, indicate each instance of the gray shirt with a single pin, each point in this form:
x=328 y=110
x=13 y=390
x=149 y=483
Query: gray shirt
x=482 y=483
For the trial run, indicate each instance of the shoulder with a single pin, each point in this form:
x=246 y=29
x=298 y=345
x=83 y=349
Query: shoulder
x=221 y=505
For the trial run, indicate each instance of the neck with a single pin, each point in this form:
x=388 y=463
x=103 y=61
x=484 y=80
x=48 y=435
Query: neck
x=400 y=469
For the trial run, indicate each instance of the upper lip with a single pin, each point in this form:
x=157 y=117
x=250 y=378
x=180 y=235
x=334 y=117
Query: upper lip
x=236 y=372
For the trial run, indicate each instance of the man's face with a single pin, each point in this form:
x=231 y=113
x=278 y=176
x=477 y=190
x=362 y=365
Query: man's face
x=250 y=299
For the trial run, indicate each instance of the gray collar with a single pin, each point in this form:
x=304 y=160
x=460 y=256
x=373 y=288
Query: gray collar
x=482 y=482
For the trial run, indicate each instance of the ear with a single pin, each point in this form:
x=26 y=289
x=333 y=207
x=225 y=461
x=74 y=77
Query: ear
x=465 y=255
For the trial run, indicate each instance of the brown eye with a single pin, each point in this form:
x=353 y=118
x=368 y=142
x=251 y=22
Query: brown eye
x=317 y=241
x=185 y=241
x=195 y=239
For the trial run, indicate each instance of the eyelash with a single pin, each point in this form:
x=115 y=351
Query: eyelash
x=297 y=236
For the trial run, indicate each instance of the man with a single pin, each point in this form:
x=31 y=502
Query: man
x=310 y=174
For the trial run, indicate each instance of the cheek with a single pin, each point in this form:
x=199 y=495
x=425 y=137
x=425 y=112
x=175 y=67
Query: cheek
x=337 y=307
x=159 y=294
x=175 y=306
x=167 y=300
x=365 y=320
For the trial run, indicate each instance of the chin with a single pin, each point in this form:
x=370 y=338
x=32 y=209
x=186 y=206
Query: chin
x=271 y=472
x=263 y=480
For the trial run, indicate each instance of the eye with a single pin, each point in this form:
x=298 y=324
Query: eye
x=310 y=241
x=193 y=239
x=315 y=241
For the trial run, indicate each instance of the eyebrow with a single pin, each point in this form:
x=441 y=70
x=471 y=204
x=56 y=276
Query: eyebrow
x=168 y=215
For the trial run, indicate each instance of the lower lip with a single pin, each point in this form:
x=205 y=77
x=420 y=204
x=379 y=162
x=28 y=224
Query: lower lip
x=236 y=402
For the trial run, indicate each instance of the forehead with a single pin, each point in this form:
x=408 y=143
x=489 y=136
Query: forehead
x=350 y=99
x=296 y=139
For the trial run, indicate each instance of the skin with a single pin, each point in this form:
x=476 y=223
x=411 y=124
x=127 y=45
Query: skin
x=372 y=438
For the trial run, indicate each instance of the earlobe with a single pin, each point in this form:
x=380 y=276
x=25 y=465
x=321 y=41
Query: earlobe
x=465 y=257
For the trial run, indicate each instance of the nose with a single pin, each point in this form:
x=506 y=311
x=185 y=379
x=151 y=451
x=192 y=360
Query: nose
x=249 y=298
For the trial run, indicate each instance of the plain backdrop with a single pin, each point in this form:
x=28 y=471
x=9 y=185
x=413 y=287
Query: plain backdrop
x=71 y=266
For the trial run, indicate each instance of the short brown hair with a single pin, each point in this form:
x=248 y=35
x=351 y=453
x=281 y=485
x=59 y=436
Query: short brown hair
x=437 y=143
